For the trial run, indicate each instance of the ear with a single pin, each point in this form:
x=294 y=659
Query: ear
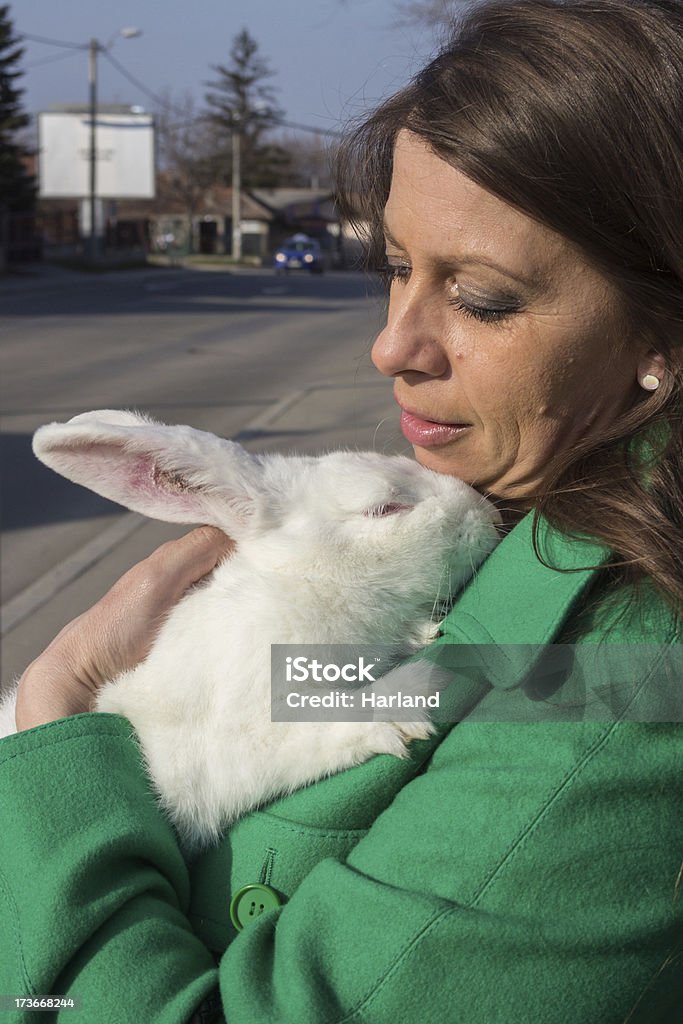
x=172 y=473
x=652 y=363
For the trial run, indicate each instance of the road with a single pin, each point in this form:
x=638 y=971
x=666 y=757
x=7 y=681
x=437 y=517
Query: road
x=277 y=362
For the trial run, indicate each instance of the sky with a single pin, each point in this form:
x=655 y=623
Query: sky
x=334 y=59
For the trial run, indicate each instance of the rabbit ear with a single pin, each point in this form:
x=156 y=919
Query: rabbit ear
x=172 y=473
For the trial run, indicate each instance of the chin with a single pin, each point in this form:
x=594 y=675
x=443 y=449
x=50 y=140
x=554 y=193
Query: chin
x=490 y=484
x=446 y=463
x=443 y=461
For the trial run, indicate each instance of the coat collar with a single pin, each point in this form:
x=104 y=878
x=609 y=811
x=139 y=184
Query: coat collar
x=517 y=603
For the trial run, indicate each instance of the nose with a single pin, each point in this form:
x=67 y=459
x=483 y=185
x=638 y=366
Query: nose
x=413 y=340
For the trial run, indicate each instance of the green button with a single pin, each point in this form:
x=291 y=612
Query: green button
x=250 y=902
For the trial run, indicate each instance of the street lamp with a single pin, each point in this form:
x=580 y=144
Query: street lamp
x=93 y=48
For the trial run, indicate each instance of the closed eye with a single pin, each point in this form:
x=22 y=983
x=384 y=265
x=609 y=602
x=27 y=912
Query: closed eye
x=389 y=509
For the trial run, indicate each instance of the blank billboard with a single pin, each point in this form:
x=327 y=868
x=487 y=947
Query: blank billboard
x=125 y=155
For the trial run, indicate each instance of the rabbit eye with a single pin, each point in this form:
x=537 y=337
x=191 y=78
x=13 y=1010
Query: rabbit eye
x=389 y=509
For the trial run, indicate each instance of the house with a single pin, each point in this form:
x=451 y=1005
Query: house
x=268 y=216
x=207 y=227
x=201 y=222
x=306 y=210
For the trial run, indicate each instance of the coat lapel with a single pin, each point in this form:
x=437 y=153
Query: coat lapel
x=515 y=604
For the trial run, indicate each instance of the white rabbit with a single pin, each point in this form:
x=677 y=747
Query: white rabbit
x=346 y=548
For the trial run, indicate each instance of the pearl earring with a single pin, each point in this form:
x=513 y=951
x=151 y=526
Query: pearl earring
x=649 y=382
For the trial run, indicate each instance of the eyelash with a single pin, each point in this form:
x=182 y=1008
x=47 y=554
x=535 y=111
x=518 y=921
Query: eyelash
x=391 y=273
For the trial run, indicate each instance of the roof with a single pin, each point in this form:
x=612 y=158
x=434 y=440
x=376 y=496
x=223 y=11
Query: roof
x=218 y=199
x=217 y=202
x=102 y=108
x=294 y=203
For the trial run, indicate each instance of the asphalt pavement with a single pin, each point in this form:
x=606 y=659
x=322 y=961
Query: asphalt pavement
x=336 y=409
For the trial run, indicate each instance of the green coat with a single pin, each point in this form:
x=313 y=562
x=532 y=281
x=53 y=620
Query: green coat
x=508 y=872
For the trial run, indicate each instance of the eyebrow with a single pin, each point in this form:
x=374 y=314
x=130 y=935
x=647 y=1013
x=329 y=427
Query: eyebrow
x=535 y=281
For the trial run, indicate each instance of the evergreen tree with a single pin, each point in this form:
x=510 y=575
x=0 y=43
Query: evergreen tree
x=242 y=98
x=17 y=188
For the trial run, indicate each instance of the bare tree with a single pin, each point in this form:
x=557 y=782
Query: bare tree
x=437 y=15
x=188 y=156
x=311 y=160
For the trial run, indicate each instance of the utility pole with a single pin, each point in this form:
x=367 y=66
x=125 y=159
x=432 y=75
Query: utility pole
x=92 y=82
x=93 y=47
x=236 y=188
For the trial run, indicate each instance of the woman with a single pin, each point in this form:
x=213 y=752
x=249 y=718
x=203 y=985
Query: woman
x=531 y=183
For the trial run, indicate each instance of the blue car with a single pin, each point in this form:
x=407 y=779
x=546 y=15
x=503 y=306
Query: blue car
x=299 y=253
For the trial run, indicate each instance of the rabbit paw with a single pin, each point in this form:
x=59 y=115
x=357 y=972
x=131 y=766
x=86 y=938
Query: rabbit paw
x=409 y=731
x=406 y=696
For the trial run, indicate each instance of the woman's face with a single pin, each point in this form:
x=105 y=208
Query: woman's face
x=504 y=344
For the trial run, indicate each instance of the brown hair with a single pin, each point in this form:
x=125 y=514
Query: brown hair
x=572 y=111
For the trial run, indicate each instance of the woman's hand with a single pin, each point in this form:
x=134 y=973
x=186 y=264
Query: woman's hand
x=116 y=633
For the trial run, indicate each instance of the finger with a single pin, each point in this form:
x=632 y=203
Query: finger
x=64 y=630
x=196 y=554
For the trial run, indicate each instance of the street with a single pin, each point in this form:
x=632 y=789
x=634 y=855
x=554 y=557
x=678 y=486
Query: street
x=274 y=362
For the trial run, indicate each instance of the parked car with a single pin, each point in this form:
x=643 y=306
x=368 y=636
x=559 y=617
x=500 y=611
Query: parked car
x=299 y=253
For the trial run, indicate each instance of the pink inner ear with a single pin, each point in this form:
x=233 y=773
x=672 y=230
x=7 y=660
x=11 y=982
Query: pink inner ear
x=151 y=485
x=142 y=476
x=130 y=478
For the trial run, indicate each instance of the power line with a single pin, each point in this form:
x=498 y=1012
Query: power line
x=279 y=123
x=173 y=125
x=166 y=106
x=53 y=42
x=136 y=81
x=50 y=60
x=309 y=128
x=148 y=92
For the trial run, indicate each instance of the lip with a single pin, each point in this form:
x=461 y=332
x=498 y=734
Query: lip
x=429 y=433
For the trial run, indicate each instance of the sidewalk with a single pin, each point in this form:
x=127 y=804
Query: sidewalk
x=317 y=418
x=30 y=276
x=35 y=276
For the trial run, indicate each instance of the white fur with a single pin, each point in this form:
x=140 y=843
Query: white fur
x=312 y=565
